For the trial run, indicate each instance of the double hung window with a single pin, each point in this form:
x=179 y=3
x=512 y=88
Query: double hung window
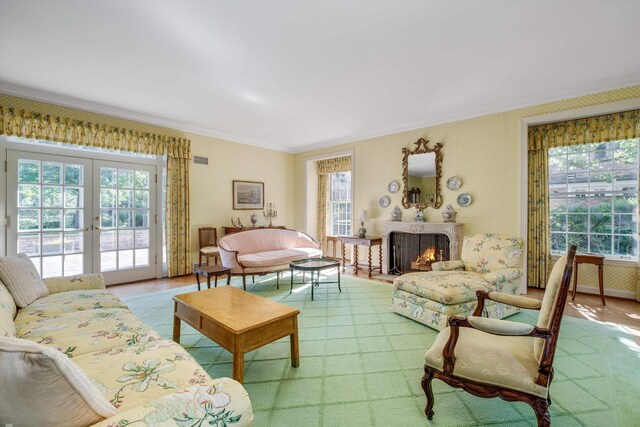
x=339 y=206
x=593 y=198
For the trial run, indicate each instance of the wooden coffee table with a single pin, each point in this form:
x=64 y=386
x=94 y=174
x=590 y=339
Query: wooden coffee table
x=238 y=321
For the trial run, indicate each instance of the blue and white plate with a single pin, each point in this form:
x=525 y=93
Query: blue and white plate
x=464 y=200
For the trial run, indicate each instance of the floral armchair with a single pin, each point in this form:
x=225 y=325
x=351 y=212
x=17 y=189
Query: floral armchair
x=489 y=262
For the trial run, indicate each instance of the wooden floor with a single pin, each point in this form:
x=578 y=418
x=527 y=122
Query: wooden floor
x=621 y=312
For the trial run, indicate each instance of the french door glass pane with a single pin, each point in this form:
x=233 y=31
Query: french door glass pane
x=50 y=215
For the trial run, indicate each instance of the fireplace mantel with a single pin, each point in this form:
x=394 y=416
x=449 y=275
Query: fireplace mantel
x=452 y=230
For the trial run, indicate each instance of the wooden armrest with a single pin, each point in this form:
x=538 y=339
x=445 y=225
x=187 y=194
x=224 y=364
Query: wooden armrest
x=515 y=300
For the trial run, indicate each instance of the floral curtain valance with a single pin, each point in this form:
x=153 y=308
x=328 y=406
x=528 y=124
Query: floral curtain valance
x=336 y=164
x=27 y=124
x=609 y=127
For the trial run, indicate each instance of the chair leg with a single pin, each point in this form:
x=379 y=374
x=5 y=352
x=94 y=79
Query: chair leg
x=277 y=280
x=426 y=386
x=541 y=408
x=244 y=282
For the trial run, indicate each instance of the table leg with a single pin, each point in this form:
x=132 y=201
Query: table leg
x=215 y=280
x=343 y=258
x=295 y=349
x=575 y=281
x=340 y=289
x=238 y=360
x=198 y=280
x=176 y=324
x=369 y=261
x=380 y=257
x=208 y=281
x=601 y=282
x=291 y=290
x=312 y=285
x=355 y=261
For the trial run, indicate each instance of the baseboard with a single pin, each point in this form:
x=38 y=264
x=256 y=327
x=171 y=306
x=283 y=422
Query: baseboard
x=607 y=292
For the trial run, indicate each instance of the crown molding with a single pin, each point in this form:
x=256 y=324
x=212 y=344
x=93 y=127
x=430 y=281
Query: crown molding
x=575 y=91
x=123 y=113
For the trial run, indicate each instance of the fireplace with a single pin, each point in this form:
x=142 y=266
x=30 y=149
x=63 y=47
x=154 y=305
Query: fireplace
x=415 y=252
x=414 y=238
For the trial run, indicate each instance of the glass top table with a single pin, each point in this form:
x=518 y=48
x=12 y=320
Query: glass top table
x=315 y=266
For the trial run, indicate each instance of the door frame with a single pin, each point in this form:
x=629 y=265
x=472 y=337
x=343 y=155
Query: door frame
x=158 y=162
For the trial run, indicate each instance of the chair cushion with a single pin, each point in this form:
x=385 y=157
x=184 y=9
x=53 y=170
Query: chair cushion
x=7 y=313
x=87 y=331
x=41 y=386
x=22 y=280
x=277 y=257
x=447 y=287
x=210 y=250
x=133 y=376
x=507 y=361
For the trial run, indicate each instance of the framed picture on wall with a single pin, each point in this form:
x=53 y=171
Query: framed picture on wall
x=248 y=195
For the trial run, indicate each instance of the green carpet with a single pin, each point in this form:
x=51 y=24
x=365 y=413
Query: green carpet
x=361 y=365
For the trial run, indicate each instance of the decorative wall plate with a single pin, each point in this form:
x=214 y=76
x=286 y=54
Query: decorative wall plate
x=384 y=201
x=453 y=183
x=464 y=200
x=394 y=186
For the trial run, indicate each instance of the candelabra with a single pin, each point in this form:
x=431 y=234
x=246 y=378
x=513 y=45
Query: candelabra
x=271 y=212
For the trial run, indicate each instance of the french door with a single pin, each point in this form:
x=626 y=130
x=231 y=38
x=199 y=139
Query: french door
x=74 y=215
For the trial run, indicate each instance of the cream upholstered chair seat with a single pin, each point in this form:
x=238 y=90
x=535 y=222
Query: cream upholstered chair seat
x=489 y=262
x=498 y=358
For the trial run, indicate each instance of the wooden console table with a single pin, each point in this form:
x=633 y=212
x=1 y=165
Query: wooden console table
x=368 y=241
x=595 y=259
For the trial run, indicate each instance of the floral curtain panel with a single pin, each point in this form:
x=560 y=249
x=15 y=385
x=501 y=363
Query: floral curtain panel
x=326 y=167
x=27 y=124
x=609 y=127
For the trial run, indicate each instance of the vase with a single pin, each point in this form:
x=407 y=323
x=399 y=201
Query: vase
x=254 y=219
x=448 y=214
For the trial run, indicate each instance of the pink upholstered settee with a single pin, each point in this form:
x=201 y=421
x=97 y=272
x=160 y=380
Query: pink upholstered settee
x=265 y=250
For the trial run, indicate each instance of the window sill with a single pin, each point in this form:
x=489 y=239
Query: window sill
x=608 y=261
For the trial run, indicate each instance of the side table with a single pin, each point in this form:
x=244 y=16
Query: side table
x=211 y=270
x=368 y=241
x=595 y=259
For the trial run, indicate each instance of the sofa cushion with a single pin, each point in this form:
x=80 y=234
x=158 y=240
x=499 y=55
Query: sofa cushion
x=132 y=376
x=222 y=403
x=87 y=331
x=22 y=280
x=41 y=386
x=7 y=313
x=277 y=257
x=447 y=287
x=75 y=283
x=68 y=302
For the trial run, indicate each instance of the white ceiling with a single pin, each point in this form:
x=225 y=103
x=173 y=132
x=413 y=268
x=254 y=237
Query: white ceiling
x=299 y=75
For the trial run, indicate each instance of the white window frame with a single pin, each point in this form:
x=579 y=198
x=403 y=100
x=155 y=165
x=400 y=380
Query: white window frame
x=347 y=222
x=579 y=191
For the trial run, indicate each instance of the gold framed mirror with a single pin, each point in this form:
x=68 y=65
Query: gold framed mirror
x=421 y=174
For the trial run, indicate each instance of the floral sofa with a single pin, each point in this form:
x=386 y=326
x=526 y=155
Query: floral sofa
x=265 y=250
x=77 y=356
x=489 y=262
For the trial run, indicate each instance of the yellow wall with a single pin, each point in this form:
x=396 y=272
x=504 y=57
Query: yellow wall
x=484 y=152
x=211 y=202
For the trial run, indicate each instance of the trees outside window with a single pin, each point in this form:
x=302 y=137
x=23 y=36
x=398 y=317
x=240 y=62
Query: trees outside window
x=339 y=204
x=593 y=198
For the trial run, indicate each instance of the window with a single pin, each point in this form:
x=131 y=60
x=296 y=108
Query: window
x=339 y=204
x=593 y=198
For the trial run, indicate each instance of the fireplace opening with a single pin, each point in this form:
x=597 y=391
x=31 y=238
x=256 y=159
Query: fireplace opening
x=416 y=252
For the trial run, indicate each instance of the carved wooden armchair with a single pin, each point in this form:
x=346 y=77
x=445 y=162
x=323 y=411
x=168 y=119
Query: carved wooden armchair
x=499 y=358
